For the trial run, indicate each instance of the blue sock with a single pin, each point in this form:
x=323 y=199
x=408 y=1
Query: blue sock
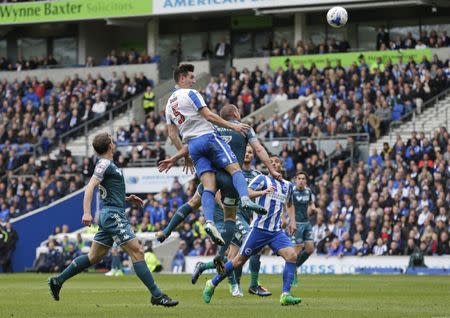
x=254 y=267
x=240 y=184
x=208 y=204
x=227 y=234
x=146 y=277
x=302 y=258
x=78 y=265
x=288 y=276
x=217 y=279
x=228 y=271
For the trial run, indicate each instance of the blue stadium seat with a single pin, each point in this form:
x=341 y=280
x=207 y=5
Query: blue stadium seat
x=397 y=112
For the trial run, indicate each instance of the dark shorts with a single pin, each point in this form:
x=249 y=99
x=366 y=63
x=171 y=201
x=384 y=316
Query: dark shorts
x=114 y=227
x=224 y=183
x=242 y=230
x=303 y=234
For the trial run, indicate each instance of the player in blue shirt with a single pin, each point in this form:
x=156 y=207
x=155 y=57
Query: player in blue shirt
x=114 y=226
x=188 y=115
x=266 y=230
x=303 y=198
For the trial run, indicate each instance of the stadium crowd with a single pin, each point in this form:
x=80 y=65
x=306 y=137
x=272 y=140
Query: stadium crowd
x=360 y=99
x=392 y=204
x=130 y=57
x=425 y=40
x=38 y=183
x=283 y=48
x=396 y=203
x=383 y=42
x=38 y=111
x=23 y=64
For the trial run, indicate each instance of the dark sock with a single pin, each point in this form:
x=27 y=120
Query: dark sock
x=229 y=229
x=115 y=262
x=207 y=265
x=238 y=274
x=302 y=258
x=78 y=265
x=146 y=277
x=232 y=279
x=177 y=219
x=208 y=204
x=240 y=184
x=254 y=266
x=288 y=276
x=228 y=271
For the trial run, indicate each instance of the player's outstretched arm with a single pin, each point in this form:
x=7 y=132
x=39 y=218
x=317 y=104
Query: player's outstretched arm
x=264 y=157
x=255 y=193
x=166 y=164
x=219 y=121
x=87 y=201
x=292 y=227
x=174 y=136
x=135 y=200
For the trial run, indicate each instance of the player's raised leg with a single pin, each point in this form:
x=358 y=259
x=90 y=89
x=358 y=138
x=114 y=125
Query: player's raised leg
x=240 y=185
x=208 y=180
x=78 y=265
x=179 y=216
x=134 y=249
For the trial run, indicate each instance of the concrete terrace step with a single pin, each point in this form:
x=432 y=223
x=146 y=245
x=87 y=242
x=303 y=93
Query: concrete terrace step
x=428 y=121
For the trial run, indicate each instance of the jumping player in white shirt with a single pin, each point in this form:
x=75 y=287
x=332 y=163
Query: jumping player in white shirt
x=188 y=115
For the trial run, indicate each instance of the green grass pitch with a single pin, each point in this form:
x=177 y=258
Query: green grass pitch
x=94 y=295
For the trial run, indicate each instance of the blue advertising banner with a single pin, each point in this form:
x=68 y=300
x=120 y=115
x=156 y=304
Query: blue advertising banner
x=36 y=227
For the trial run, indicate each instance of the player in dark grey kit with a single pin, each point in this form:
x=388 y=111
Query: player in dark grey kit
x=113 y=224
x=303 y=198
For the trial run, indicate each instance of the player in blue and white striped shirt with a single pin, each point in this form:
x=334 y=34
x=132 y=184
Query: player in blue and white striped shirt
x=275 y=196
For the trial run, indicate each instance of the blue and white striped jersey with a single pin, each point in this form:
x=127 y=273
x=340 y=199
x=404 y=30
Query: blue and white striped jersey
x=273 y=202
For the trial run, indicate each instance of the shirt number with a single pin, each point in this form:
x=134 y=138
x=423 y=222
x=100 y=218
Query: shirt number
x=178 y=116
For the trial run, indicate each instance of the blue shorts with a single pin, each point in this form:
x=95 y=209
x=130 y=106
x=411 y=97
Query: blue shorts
x=209 y=153
x=303 y=234
x=114 y=227
x=258 y=238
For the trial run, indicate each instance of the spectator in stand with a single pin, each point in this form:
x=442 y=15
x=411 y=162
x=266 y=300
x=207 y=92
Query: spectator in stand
x=99 y=106
x=8 y=239
x=53 y=259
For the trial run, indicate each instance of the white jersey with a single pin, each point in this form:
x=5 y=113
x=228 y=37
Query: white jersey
x=182 y=110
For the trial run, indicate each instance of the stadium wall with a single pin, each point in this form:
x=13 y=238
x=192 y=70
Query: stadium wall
x=345 y=265
x=35 y=227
